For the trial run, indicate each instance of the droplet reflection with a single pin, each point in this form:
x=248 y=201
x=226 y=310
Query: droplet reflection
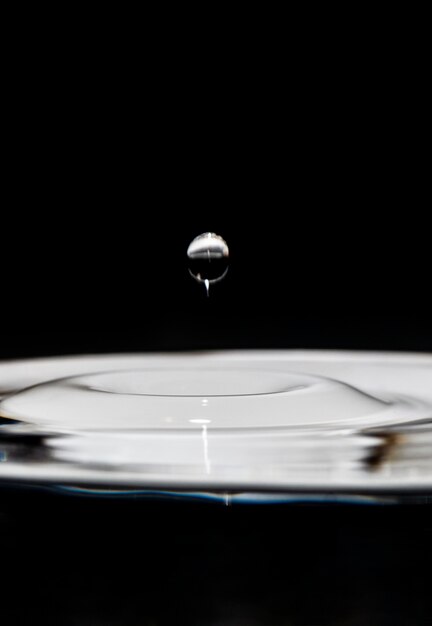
x=208 y=256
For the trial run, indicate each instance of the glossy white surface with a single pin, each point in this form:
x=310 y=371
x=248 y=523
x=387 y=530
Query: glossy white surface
x=300 y=433
x=166 y=399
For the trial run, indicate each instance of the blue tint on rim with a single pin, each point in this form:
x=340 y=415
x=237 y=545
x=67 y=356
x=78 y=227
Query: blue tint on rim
x=227 y=499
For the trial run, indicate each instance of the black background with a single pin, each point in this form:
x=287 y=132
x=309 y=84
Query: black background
x=82 y=561
x=324 y=255
x=305 y=154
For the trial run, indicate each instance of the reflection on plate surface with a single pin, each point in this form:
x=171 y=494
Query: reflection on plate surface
x=262 y=421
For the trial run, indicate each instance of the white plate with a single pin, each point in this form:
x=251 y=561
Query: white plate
x=290 y=421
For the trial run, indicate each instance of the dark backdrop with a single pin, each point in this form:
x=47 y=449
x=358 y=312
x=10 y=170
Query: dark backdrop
x=327 y=253
x=307 y=157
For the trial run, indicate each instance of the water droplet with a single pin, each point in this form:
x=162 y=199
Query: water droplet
x=208 y=256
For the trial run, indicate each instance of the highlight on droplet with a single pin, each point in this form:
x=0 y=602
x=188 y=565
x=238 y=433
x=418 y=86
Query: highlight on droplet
x=208 y=256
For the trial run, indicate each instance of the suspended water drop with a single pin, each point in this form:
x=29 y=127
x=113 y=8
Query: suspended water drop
x=208 y=256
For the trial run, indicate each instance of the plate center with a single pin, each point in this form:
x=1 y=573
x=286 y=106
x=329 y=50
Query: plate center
x=190 y=399
x=195 y=383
